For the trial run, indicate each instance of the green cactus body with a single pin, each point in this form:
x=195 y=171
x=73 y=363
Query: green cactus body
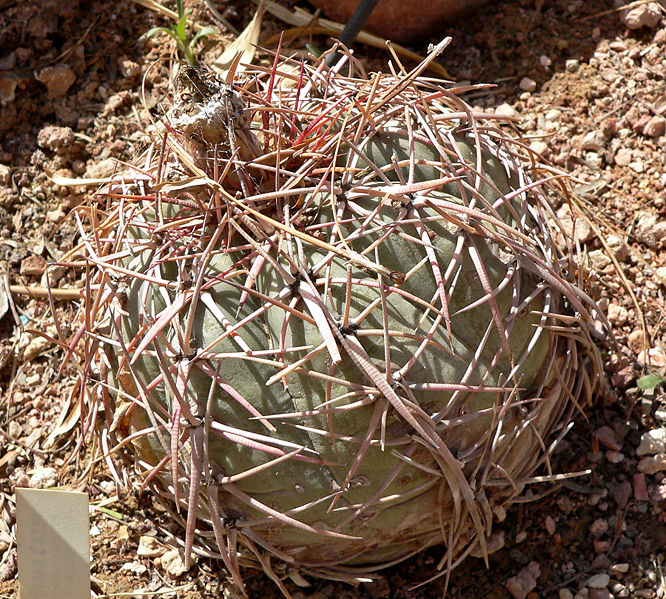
x=387 y=376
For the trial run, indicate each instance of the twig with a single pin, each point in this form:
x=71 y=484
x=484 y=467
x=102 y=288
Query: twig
x=43 y=292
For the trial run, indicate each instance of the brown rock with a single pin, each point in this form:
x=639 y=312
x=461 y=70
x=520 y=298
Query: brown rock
x=623 y=157
x=401 y=20
x=519 y=586
x=623 y=377
x=621 y=493
x=655 y=127
x=33 y=266
x=7 y=89
x=655 y=357
x=609 y=127
x=55 y=138
x=599 y=594
x=640 y=488
x=58 y=79
x=643 y=15
x=606 y=437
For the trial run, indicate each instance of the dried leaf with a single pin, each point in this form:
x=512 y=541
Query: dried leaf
x=245 y=45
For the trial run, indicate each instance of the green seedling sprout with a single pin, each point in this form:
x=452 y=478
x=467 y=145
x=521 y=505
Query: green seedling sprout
x=650 y=381
x=179 y=33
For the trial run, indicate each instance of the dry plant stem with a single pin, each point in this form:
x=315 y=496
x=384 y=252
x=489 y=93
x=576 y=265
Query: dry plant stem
x=45 y=292
x=333 y=304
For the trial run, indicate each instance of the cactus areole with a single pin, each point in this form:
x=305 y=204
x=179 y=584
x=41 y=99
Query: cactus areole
x=328 y=320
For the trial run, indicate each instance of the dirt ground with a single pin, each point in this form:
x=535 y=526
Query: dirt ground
x=587 y=81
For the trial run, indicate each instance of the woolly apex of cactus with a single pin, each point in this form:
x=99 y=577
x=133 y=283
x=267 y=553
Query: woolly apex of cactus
x=328 y=322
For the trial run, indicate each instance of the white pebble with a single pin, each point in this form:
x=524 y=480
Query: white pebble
x=598 y=581
x=527 y=84
x=652 y=442
x=506 y=110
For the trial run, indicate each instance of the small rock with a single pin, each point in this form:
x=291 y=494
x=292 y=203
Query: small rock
x=8 y=566
x=43 y=478
x=655 y=127
x=618 y=246
x=134 y=568
x=102 y=169
x=527 y=84
x=565 y=594
x=506 y=110
x=619 y=568
x=593 y=141
x=643 y=15
x=640 y=488
x=128 y=68
x=621 y=493
x=614 y=457
x=650 y=229
x=579 y=230
x=608 y=127
x=609 y=75
x=55 y=138
x=14 y=429
x=618 y=45
x=653 y=464
x=5 y=174
x=594 y=160
x=606 y=436
x=652 y=442
x=635 y=340
x=538 y=146
x=617 y=315
x=602 y=593
x=8 y=90
x=623 y=377
x=655 y=357
x=638 y=166
x=545 y=61
x=599 y=259
x=33 y=266
x=553 y=115
x=115 y=102
x=519 y=586
x=150 y=547
x=661 y=274
x=599 y=527
x=54 y=216
x=550 y=525
x=58 y=79
x=571 y=65
x=658 y=492
x=5 y=541
x=173 y=564
x=623 y=157
x=598 y=581
x=35 y=347
x=565 y=504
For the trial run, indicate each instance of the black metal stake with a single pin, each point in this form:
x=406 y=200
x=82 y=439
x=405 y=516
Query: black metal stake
x=353 y=26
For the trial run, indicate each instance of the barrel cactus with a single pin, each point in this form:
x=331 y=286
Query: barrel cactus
x=328 y=320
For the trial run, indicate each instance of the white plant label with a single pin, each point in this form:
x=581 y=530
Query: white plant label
x=52 y=529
